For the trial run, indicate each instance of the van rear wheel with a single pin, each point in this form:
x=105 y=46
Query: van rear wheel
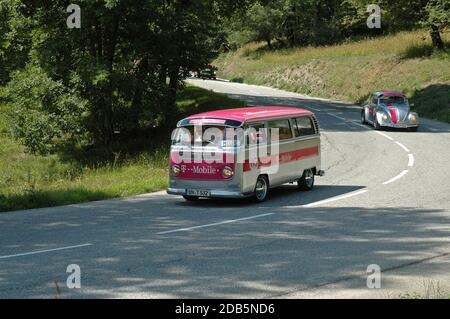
x=306 y=182
x=261 y=189
x=190 y=198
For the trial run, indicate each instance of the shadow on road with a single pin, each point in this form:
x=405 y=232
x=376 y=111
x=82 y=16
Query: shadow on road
x=296 y=248
x=285 y=195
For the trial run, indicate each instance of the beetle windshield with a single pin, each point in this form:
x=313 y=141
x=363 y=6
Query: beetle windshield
x=392 y=100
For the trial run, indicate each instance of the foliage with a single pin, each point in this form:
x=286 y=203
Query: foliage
x=15 y=40
x=45 y=114
x=124 y=65
x=438 y=14
x=259 y=23
x=319 y=22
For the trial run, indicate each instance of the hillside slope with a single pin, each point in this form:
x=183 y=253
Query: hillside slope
x=350 y=71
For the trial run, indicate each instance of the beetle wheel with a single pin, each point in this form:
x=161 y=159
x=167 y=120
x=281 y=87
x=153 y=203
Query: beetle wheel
x=363 y=117
x=376 y=125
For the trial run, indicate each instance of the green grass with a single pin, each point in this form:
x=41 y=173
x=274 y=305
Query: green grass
x=196 y=100
x=29 y=181
x=351 y=71
x=430 y=290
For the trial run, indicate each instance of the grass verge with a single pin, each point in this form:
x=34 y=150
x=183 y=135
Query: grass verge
x=28 y=181
x=351 y=71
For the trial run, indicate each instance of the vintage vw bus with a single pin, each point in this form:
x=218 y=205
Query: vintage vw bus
x=244 y=152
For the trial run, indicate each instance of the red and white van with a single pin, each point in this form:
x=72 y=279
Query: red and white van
x=244 y=152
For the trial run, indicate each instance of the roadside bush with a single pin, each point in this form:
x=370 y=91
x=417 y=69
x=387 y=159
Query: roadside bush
x=44 y=115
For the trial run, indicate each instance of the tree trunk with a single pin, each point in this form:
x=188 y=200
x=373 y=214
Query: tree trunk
x=108 y=125
x=436 y=38
x=171 y=110
x=269 y=43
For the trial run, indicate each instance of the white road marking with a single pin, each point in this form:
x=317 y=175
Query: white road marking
x=396 y=177
x=384 y=135
x=44 y=251
x=402 y=146
x=333 y=199
x=214 y=224
x=410 y=160
x=356 y=122
x=338 y=117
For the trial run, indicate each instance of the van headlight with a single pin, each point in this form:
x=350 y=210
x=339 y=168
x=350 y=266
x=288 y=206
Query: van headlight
x=413 y=117
x=175 y=169
x=227 y=172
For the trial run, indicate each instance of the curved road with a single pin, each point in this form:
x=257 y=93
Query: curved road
x=385 y=200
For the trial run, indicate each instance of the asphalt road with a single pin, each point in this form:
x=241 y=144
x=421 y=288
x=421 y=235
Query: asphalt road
x=385 y=200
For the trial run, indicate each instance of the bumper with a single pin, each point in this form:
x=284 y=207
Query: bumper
x=400 y=125
x=214 y=193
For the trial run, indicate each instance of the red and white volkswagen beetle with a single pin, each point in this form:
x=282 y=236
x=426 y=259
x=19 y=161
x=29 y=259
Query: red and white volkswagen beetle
x=244 y=152
x=389 y=109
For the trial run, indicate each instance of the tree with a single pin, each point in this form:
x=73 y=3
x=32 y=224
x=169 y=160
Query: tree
x=263 y=22
x=46 y=115
x=15 y=40
x=125 y=63
x=437 y=19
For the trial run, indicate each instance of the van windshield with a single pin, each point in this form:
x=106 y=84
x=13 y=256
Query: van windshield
x=207 y=135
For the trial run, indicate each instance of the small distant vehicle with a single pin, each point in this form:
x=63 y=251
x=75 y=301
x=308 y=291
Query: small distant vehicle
x=389 y=109
x=209 y=72
x=278 y=145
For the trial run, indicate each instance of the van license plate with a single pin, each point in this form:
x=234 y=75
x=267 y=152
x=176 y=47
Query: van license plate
x=197 y=192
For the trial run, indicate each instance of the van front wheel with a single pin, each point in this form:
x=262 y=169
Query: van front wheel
x=306 y=182
x=261 y=189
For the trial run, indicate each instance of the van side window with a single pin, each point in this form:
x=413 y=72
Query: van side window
x=284 y=129
x=256 y=134
x=303 y=126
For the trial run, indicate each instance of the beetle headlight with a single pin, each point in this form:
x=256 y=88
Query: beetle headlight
x=227 y=172
x=175 y=169
x=384 y=117
x=413 y=117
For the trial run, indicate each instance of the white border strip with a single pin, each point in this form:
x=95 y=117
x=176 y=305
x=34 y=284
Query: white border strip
x=333 y=199
x=44 y=251
x=384 y=135
x=410 y=160
x=356 y=122
x=402 y=146
x=338 y=117
x=214 y=224
x=396 y=177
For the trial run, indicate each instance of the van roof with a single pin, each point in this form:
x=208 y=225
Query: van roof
x=253 y=113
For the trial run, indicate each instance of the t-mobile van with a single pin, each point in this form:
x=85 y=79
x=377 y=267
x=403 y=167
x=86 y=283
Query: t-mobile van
x=244 y=152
